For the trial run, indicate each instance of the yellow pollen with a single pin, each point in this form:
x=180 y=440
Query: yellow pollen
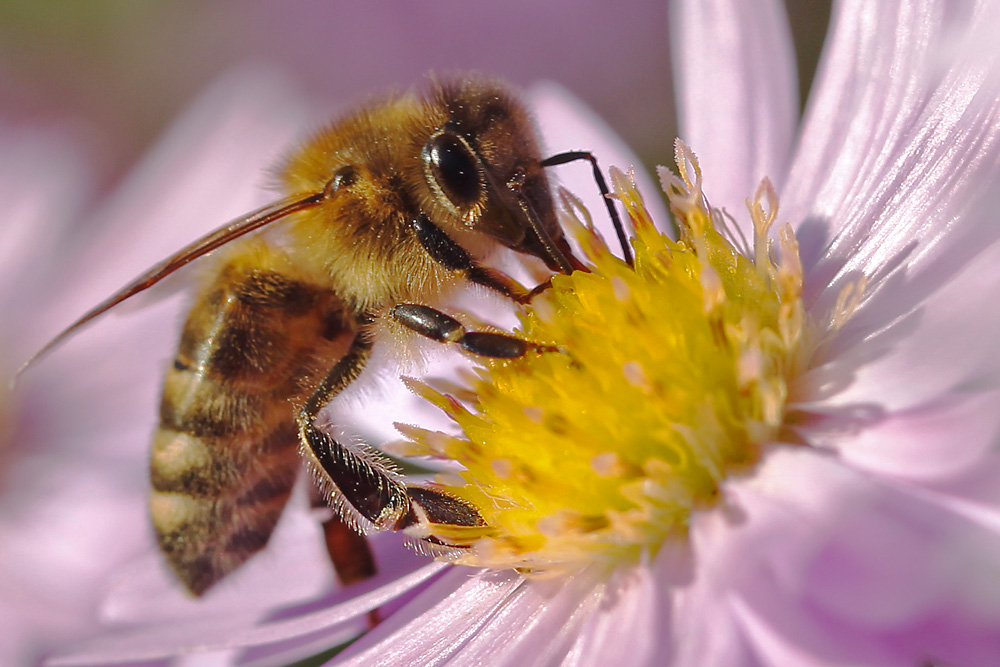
x=671 y=376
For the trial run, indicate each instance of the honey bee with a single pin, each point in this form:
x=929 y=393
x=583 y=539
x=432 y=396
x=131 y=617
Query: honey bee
x=387 y=209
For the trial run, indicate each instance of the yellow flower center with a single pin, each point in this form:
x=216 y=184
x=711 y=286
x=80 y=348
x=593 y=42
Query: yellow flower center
x=672 y=375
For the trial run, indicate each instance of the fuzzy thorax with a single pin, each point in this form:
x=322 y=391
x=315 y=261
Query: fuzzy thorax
x=673 y=375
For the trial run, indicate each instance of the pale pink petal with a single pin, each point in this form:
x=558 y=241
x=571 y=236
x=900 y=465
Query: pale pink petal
x=536 y=625
x=923 y=443
x=720 y=642
x=369 y=409
x=879 y=407
x=56 y=550
x=802 y=642
x=44 y=182
x=62 y=508
x=897 y=340
x=243 y=629
x=737 y=93
x=851 y=567
x=501 y=619
x=438 y=623
x=294 y=567
x=716 y=544
x=639 y=599
x=974 y=493
x=900 y=143
x=575 y=620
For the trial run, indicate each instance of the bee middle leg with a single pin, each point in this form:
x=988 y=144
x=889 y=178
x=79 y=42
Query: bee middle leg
x=443 y=328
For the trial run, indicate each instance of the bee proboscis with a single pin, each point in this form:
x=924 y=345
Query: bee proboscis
x=386 y=209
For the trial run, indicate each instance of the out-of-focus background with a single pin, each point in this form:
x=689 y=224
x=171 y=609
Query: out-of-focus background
x=118 y=71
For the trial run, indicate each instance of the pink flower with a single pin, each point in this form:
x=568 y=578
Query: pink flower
x=862 y=526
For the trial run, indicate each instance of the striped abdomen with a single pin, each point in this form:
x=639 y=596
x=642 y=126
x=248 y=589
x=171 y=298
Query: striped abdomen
x=225 y=455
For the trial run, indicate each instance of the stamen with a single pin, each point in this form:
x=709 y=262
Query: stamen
x=848 y=301
x=625 y=190
x=763 y=217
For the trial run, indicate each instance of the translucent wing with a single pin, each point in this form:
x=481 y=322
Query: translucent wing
x=206 y=244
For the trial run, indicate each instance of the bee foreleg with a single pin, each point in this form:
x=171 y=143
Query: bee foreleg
x=602 y=185
x=449 y=254
x=443 y=328
x=362 y=483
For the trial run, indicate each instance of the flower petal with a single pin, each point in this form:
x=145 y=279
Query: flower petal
x=737 y=92
x=917 y=398
x=934 y=441
x=439 y=622
x=536 y=625
x=292 y=568
x=574 y=621
x=721 y=640
x=44 y=180
x=900 y=144
x=207 y=169
x=241 y=629
x=638 y=599
x=852 y=568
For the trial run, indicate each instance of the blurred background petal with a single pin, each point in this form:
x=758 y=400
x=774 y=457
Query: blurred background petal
x=121 y=70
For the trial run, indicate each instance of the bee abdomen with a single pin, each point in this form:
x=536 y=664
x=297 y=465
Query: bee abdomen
x=225 y=456
x=212 y=511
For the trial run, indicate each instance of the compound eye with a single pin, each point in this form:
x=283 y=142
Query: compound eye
x=451 y=164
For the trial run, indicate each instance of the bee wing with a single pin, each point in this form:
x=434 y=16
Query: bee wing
x=206 y=244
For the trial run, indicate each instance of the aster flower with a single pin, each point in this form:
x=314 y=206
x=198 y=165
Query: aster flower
x=765 y=442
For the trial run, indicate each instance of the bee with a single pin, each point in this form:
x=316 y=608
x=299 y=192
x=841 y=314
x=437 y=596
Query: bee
x=386 y=210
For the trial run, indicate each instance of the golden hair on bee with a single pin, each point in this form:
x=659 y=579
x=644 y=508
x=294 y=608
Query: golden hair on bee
x=385 y=211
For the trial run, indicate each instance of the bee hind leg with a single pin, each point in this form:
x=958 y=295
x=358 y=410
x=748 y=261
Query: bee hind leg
x=434 y=324
x=361 y=485
x=431 y=507
x=349 y=551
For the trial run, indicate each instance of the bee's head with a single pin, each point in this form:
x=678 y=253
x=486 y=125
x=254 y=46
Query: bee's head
x=484 y=169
